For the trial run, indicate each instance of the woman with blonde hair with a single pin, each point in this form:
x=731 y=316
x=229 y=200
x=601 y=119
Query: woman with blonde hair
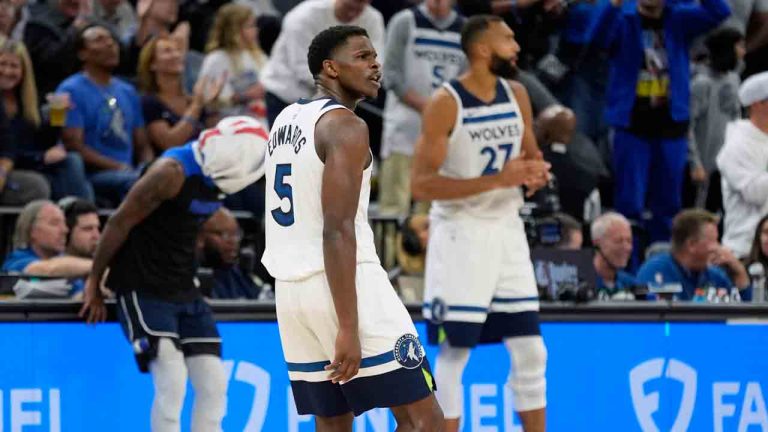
x=172 y=116
x=28 y=145
x=233 y=50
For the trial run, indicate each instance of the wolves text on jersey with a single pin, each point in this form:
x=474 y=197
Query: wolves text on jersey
x=494 y=132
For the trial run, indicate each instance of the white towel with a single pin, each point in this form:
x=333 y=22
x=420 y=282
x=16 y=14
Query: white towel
x=232 y=153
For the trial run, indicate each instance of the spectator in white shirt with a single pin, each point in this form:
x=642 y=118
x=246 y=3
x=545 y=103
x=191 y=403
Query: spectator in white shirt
x=742 y=163
x=286 y=76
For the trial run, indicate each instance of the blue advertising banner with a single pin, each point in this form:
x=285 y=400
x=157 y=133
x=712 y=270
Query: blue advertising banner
x=67 y=377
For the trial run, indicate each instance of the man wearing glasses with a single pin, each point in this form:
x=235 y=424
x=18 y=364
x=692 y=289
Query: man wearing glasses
x=105 y=124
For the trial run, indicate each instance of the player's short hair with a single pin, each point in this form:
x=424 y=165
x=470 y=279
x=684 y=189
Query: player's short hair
x=325 y=43
x=688 y=224
x=474 y=27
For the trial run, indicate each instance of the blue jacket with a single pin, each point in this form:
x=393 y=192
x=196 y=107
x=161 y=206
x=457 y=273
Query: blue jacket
x=619 y=30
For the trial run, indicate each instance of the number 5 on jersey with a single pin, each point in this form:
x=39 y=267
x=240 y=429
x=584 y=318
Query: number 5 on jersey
x=283 y=191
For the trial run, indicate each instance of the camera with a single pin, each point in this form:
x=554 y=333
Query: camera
x=542 y=228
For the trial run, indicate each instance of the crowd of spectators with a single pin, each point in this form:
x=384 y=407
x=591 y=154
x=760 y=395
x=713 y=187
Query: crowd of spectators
x=643 y=108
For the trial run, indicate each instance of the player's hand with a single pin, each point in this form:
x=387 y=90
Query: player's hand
x=532 y=185
x=519 y=171
x=93 y=309
x=346 y=362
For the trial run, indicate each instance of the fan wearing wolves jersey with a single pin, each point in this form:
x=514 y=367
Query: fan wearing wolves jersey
x=423 y=51
x=476 y=151
x=149 y=246
x=349 y=342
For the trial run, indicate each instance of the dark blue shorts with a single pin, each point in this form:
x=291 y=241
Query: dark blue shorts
x=189 y=325
x=497 y=327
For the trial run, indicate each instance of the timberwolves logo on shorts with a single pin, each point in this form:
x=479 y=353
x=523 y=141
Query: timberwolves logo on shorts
x=438 y=309
x=408 y=351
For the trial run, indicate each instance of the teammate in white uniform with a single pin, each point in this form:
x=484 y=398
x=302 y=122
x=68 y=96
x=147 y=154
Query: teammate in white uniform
x=349 y=342
x=423 y=51
x=476 y=151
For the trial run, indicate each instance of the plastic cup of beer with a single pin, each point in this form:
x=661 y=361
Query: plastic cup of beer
x=58 y=104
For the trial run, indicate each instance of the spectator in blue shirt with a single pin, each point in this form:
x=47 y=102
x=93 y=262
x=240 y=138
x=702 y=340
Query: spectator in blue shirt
x=697 y=262
x=647 y=101
x=221 y=237
x=39 y=242
x=611 y=235
x=105 y=125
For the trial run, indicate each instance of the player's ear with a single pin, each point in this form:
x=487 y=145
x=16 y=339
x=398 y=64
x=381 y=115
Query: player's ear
x=329 y=66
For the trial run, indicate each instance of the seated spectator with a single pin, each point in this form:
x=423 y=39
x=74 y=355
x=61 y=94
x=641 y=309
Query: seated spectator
x=17 y=187
x=714 y=103
x=759 y=252
x=612 y=238
x=105 y=125
x=117 y=13
x=220 y=246
x=698 y=265
x=28 y=136
x=571 y=235
x=39 y=243
x=743 y=164
x=82 y=218
x=50 y=37
x=233 y=54
x=577 y=176
x=172 y=116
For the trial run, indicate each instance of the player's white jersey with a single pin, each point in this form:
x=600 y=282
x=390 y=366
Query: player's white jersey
x=293 y=213
x=484 y=137
x=432 y=56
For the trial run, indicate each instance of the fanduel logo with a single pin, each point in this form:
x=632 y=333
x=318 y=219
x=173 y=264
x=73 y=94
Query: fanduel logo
x=646 y=404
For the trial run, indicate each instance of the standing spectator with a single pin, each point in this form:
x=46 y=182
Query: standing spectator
x=286 y=77
x=50 y=37
x=423 y=51
x=221 y=237
x=14 y=15
x=117 y=13
x=39 y=242
x=612 y=237
x=743 y=164
x=576 y=165
x=17 y=187
x=28 y=136
x=172 y=116
x=696 y=262
x=648 y=100
x=7 y=16
x=714 y=103
x=105 y=125
x=234 y=55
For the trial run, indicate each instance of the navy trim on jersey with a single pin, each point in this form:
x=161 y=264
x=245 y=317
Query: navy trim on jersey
x=513 y=300
x=364 y=363
x=398 y=387
x=491 y=117
x=304 y=101
x=468 y=100
x=331 y=103
x=461 y=308
x=436 y=42
x=497 y=327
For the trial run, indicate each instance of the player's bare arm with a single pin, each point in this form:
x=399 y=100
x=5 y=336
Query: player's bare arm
x=432 y=147
x=162 y=181
x=529 y=145
x=341 y=139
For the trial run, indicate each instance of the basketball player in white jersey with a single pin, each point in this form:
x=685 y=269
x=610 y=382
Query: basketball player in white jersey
x=476 y=152
x=348 y=341
x=423 y=51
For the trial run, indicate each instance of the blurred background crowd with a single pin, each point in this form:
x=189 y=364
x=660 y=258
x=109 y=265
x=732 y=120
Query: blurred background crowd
x=653 y=114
